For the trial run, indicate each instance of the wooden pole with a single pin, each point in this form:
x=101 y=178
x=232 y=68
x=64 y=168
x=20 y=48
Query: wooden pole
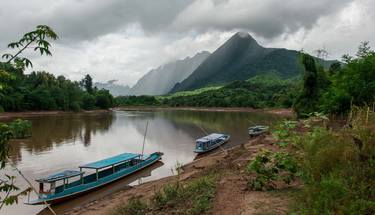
x=144 y=139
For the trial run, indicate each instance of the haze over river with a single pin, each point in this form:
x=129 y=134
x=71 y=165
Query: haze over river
x=66 y=141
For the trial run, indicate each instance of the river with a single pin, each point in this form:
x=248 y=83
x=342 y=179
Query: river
x=66 y=141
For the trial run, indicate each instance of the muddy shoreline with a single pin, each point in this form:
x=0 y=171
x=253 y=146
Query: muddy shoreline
x=5 y=115
x=286 y=112
x=277 y=111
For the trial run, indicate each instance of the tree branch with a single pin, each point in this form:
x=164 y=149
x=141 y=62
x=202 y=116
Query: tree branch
x=21 y=50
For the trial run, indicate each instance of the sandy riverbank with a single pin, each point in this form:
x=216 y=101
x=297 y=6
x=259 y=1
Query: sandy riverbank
x=232 y=195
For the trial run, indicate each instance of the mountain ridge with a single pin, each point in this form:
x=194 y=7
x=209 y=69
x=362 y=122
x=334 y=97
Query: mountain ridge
x=240 y=58
x=161 y=80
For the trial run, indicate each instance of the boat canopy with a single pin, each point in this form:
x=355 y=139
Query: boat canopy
x=110 y=161
x=59 y=176
x=210 y=137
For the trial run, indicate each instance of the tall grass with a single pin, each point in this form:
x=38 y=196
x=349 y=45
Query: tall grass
x=338 y=167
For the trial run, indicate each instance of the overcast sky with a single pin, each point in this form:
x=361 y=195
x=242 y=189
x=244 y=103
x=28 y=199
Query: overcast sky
x=124 y=39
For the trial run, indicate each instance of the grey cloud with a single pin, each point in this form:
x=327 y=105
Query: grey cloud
x=266 y=18
x=86 y=19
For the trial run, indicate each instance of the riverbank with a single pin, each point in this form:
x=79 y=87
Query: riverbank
x=231 y=195
x=5 y=115
x=285 y=112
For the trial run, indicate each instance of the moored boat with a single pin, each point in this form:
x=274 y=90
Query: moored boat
x=258 y=130
x=104 y=172
x=210 y=142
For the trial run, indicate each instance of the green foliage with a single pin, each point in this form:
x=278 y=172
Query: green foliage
x=88 y=101
x=135 y=206
x=258 y=92
x=20 y=128
x=335 y=91
x=104 y=99
x=307 y=101
x=193 y=198
x=7 y=187
x=44 y=91
x=38 y=39
x=86 y=83
x=268 y=167
x=5 y=135
x=284 y=132
x=338 y=168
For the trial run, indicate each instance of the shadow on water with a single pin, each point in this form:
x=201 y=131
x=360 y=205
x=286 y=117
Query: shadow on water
x=116 y=186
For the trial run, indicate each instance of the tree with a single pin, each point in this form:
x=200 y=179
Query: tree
x=38 y=38
x=86 y=83
x=308 y=99
x=104 y=99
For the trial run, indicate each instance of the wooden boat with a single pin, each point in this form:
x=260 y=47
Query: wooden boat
x=210 y=142
x=105 y=171
x=257 y=130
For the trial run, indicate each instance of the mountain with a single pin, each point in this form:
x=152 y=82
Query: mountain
x=161 y=80
x=114 y=89
x=241 y=58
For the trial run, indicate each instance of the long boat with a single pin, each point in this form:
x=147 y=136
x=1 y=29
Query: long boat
x=103 y=172
x=210 y=142
x=258 y=130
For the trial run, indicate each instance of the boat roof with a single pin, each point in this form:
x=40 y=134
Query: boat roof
x=210 y=137
x=110 y=161
x=59 y=176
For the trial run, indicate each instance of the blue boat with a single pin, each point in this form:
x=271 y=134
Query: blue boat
x=103 y=172
x=210 y=142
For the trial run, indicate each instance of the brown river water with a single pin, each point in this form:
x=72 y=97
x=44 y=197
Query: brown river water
x=66 y=141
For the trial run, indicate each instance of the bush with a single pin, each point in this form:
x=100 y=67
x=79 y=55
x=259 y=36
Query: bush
x=338 y=168
x=192 y=198
x=268 y=167
x=20 y=128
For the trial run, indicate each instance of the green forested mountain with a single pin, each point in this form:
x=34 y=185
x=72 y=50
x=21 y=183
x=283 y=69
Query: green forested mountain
x=268 y=90
x=241 y=58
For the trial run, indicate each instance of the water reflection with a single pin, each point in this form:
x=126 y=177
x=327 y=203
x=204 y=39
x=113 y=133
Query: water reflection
x=52 y=131
x=69 y=140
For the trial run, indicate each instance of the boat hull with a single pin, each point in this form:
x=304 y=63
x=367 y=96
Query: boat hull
x=64 y=198
x=213 y=147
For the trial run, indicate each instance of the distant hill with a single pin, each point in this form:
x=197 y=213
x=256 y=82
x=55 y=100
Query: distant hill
x=114 y=89
x=241 y=58
x=161 y=80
